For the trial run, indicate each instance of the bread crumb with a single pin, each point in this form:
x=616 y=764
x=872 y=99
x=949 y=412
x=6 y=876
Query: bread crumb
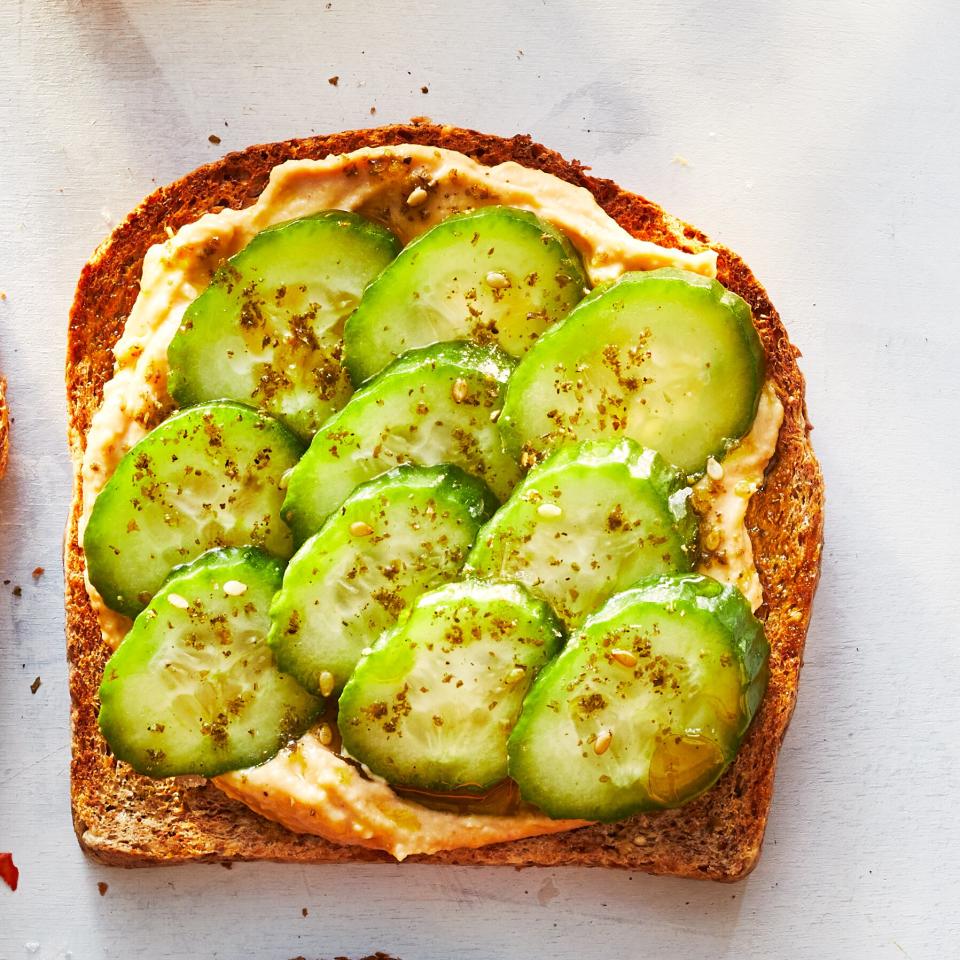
x=103 y=888
x=304 y=911
x=35 y=686
x=3 y=294
x=681 y=161
x=37 y=573
x=18 y=591
x=424 y=89
x=373 y=110
x=213 y=138
x=333 y=81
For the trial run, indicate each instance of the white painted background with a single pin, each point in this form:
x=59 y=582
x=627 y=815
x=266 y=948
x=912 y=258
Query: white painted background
x=823 y=142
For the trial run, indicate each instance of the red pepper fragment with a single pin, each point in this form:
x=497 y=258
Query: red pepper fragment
x=8 y=870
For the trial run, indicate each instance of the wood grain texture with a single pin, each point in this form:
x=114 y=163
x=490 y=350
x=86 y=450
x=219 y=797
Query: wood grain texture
x=832 y=169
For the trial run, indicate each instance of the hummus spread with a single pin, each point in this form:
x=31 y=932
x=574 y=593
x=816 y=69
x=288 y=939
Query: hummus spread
x=721 y=497
x=310 y=789
x=409 y=188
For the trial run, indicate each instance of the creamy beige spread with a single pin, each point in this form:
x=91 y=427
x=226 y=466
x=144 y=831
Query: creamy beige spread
x=309 y=789
x=409 y=188
x=722 y=495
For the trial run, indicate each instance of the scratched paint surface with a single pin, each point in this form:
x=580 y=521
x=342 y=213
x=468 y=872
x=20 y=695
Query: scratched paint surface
x=817 y=138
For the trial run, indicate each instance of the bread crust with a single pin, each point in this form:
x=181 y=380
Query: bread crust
x=4 y=428
x=124 y=819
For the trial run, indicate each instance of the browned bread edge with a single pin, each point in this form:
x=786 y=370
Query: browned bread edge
x=122 y=818
x=4 y=427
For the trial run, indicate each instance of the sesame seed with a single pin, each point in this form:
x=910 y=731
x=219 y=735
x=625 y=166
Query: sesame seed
x=497 y=280
x=712 y=540
x=602 y=743
x=326 y=683
x=177 y=601
x=325 y=734
x=417 y=197
x=625 y=657
x=549 y=510
x=360 y=529
x=366 y=651
x=234 y=588
x=640 y=841
x=743 y=488
x=459 y=390
x=714 y=469
x=515 y=676
x=494 y=416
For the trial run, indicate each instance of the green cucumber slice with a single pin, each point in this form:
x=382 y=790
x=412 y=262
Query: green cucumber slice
x=268 y=330
x=209 y=476
x=193 y=688
x=668 y=358
x=432 y=405
x=494 y=275
x=393 y=538
x=647 y=704
x=591 y=520
x=431 y=706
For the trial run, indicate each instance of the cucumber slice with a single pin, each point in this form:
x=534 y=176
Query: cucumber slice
x=431 y=706
x=268 y=330
x=393 y=538
x=193 y=689
x=591 y=520
x=646 y=706
x=494 y=275
x=432 y=405
x=668 y=358
x=209 y=476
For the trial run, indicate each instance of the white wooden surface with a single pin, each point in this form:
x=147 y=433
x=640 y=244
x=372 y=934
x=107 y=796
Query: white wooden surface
x=819 y=139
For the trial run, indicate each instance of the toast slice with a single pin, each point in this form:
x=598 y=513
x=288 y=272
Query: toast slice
x=125 y=819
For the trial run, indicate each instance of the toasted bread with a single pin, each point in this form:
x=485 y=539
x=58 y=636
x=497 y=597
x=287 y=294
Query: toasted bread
x=4 y=428
x=123 y=818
